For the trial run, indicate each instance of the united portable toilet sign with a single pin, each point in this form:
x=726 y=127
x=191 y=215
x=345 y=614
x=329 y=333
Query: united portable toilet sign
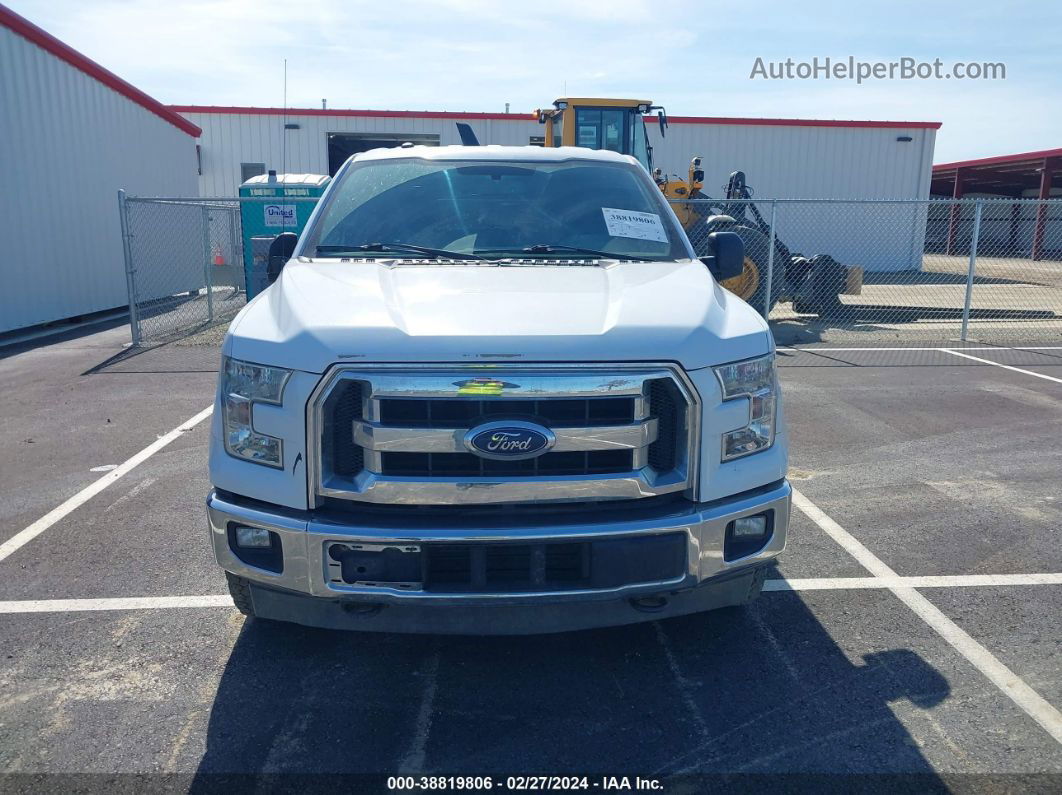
x=280 y=215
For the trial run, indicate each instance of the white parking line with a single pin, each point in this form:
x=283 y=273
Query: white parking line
x=934 y=348
x=939 y=581
x=798 y=584
x=123 y=603
x=23 y=537
x=1004 y=366
x=413 y=761
x=1027 y=699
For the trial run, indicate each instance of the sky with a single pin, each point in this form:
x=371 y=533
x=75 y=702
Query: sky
x=695 y=58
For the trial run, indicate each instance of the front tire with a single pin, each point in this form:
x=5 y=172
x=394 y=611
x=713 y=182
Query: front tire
x=751 y=285
x=240 y=591
x=759 y=577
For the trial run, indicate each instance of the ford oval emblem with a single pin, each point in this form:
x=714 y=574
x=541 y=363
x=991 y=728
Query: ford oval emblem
x=509 y=441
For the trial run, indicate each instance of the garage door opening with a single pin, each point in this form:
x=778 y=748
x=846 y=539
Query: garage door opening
x=343 y=145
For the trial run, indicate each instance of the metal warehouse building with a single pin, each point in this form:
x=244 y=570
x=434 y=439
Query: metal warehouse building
x=1011 y=228
x=72 y=134
x=782 y=158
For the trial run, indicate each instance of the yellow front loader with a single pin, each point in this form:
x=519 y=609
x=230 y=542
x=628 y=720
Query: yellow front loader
x=813 y=284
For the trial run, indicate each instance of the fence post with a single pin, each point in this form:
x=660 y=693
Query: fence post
x=971 y=269
x=130 y=271
x=770 y=263
x=207 y=275
x=237 y=248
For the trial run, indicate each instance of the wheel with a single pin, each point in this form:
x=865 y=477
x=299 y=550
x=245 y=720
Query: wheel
x=751 y=594
x=820 y=294
x=759 y=577
x=751 y=285
x=240 y=591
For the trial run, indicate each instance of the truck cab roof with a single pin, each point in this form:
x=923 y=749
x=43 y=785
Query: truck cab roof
x=536 y=154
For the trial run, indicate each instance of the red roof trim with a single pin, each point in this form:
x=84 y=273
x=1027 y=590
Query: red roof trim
x=439 y=114
x=415 y=114
x=46 y=41
x=1000 y=159
x=904 y=125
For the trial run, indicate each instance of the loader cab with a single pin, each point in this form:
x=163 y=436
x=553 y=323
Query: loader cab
x=614 y=124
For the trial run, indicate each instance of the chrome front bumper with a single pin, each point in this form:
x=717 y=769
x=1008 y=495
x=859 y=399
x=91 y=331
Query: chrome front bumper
x=305 y=537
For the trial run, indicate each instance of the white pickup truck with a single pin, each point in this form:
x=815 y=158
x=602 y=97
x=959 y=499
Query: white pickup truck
x=493 y=390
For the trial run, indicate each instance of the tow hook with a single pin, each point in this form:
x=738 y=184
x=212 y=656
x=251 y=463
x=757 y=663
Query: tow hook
x=649 y=604
x=361 y=608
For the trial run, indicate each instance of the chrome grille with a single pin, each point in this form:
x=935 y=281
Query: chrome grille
x=394 y=435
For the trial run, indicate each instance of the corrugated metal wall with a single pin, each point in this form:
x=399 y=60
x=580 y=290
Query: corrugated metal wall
x=232 y=138
x=806 y=162
x=790 y=162
x=780 y=161
x=67 y=143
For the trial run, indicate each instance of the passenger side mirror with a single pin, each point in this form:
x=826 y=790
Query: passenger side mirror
x=280 y=251
x=727 y=259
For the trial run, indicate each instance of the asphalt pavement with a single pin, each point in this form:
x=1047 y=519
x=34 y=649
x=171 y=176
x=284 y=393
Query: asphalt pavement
x=938 y=465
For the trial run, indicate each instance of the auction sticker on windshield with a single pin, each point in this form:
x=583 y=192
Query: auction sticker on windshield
x=630 y=223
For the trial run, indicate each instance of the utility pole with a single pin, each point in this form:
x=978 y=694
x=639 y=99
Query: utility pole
x=284 y=140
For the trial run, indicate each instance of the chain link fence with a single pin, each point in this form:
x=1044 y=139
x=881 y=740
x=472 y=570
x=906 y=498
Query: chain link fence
x=882 y=272
x=189 y=265
x=888 y=271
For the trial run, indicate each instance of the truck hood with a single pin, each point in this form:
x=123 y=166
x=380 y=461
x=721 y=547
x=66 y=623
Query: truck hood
x=325 y=311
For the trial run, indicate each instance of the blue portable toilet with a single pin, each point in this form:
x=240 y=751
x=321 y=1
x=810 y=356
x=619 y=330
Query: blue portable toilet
x=267 y=211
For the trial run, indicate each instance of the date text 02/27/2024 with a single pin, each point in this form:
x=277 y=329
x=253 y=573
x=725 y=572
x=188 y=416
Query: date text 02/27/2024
x=522 y=783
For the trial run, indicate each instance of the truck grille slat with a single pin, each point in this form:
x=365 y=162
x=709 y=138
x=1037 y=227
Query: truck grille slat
x=346 y=403
x=663 y=404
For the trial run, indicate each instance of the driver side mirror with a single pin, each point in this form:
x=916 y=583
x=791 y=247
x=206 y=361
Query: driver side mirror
x=727 y=259
x=280 y=251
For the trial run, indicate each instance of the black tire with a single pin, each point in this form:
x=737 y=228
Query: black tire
x=752 y=593
x=759 y=577
x=820 y=294
x=240 y=591
x=757 y=249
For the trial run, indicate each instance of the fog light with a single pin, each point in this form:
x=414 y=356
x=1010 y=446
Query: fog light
x=252 y=538
x=750 y=527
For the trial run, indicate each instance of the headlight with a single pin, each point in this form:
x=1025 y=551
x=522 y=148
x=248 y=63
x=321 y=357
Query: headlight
x=242 y=385
x=754 y=380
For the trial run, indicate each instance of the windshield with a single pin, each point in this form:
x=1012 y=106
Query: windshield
x=495 y=209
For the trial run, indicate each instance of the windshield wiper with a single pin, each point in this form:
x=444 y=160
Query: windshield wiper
x=549 y=248
x=434 y=253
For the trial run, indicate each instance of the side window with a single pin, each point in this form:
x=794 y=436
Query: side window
x=248 y=170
